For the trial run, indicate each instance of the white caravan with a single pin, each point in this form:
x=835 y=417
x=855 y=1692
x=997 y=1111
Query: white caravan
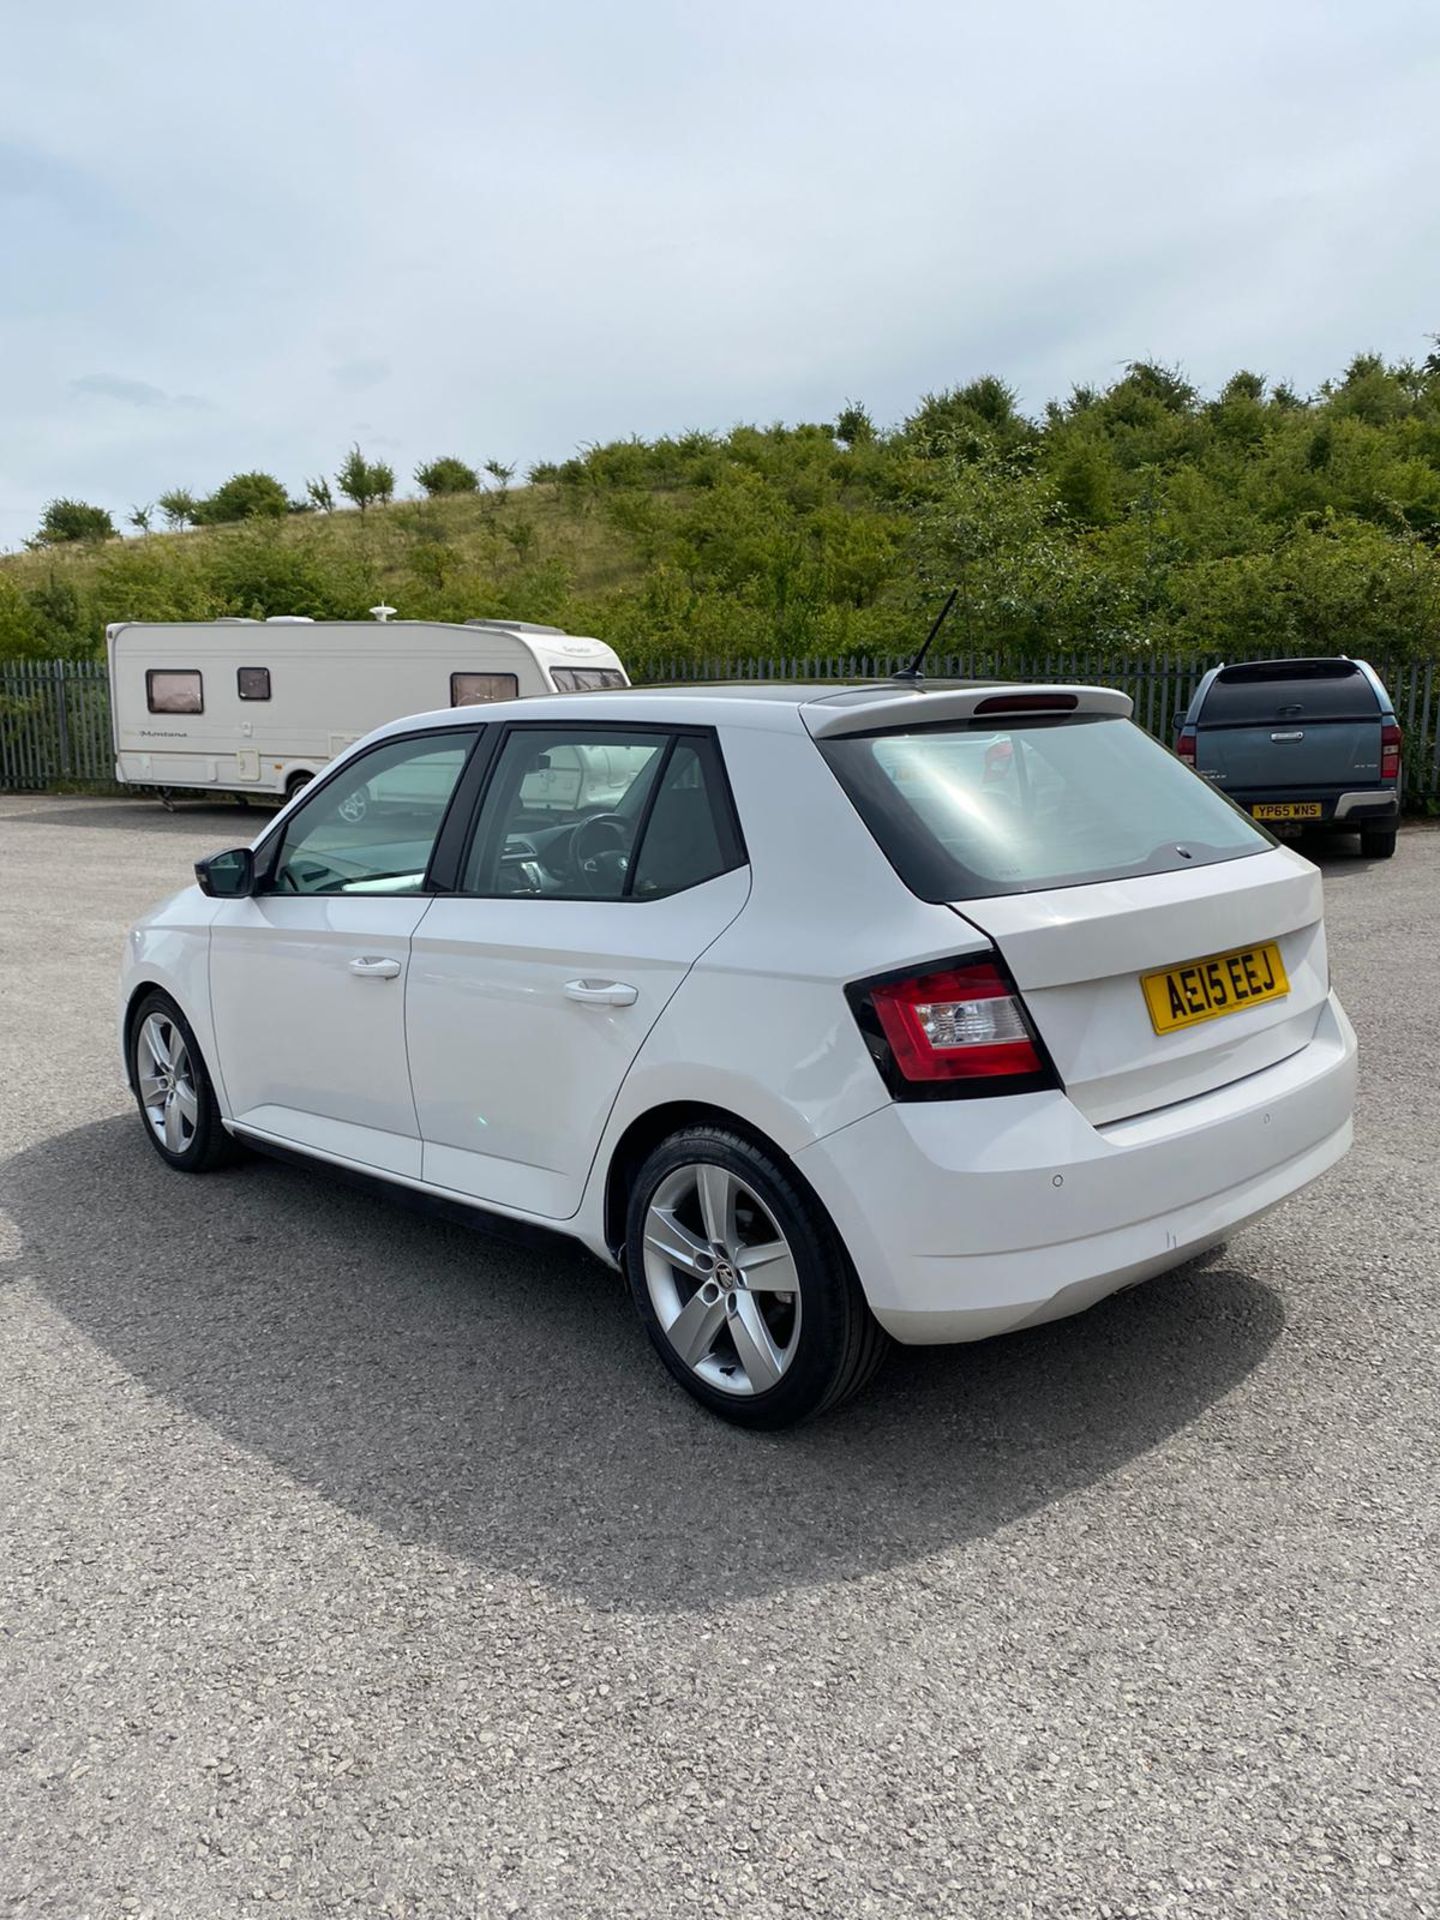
x=260 y=706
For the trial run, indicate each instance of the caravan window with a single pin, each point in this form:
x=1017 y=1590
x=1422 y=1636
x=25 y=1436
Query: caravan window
x=586 y=679
x=253 y=683
x=478 y=689
x=169 y=691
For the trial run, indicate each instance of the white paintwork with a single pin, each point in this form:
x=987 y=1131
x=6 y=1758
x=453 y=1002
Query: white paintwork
x=963 y=1217
x=331 y=682
x=312 y=1050
x=899 y=704
x=515 y=1076
x=1075 y=954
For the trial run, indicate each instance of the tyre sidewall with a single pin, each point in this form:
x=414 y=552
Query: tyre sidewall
x=209 y=1136
x=829 y=1293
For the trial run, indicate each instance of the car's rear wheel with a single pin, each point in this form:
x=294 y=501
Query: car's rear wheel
x=743 y=1284
x=1377 y=843
x=173 y=1089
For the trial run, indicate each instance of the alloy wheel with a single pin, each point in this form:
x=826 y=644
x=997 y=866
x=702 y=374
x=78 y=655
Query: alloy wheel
x=167 y=1083
x=722 y=1279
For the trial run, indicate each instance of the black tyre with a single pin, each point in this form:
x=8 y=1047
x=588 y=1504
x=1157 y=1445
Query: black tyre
x=743 y=1284
x=296 y=783
x=173 y=1089
x=1377 y=843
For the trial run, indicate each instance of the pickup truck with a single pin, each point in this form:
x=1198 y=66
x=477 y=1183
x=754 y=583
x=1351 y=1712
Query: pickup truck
x=1300 y=743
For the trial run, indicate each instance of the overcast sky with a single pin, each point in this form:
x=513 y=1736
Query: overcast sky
x=238 y=236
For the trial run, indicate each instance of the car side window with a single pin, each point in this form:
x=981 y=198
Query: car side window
x=686 y=837
x=372 y=828
x=573 y=814
x=563 y=813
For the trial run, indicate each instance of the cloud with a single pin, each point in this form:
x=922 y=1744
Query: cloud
x=133 y=393
x=677 y=216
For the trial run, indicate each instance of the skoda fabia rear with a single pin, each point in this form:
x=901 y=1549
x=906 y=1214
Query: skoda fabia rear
x=1134 y=1047
x=828 y=1016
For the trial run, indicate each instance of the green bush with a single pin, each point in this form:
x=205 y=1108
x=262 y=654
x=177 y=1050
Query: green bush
x=244 y=496
x=447 y=475
x=68 y=520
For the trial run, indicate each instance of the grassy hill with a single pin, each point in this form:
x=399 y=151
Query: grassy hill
x=1146 y=516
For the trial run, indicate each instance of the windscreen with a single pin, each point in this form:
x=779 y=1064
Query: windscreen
x=1265 y=693
x=974 y=809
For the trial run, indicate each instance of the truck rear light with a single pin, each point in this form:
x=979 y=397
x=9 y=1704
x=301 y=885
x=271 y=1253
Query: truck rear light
x=960 y=1029
x=1391 y=740
x=1185 y=746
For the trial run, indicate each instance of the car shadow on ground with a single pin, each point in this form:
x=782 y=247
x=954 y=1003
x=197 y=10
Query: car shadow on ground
x=501 y=1404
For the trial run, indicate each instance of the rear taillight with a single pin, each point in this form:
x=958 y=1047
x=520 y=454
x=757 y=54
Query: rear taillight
x=961 y=1029
x=1185 y=747
x=1391 y=740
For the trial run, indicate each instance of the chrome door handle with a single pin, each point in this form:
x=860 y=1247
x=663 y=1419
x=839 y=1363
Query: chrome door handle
x=375 y=969
x=601 y=993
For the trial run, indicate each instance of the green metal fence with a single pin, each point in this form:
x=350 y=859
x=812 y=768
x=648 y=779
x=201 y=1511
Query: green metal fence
x=54 y=724
x=55 y=714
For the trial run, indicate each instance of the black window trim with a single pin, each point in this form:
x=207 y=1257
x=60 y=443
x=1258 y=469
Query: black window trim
x=176 y=713
x=268 y=848
x=706 y=742
x=240 y=692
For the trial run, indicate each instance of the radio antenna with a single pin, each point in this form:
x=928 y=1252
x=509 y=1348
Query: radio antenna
x=915 y=670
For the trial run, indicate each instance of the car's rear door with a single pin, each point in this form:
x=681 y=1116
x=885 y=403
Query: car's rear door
x=1268 y=730
x=532 y=988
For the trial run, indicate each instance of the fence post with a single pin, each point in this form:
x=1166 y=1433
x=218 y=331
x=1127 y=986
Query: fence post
x=62 y=717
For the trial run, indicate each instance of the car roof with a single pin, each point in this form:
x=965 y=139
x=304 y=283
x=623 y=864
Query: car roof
x=821 y=707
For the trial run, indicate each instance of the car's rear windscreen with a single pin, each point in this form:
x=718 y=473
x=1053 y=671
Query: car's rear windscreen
x=1263 y=694
x=970 y=809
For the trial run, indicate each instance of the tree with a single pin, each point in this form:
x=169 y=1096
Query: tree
x=139 y=518
x=317 y=492
x=67 y=520
x=854 y=428
x=178 y=507
x=447 y=475
x=365 y=481
x=501 y=475
x=244 y=496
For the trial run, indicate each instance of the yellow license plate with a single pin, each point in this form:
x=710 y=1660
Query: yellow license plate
x=1287 y=810
x=1223 y=983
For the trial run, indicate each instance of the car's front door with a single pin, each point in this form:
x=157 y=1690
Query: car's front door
x=307 y=978
x=606 y=860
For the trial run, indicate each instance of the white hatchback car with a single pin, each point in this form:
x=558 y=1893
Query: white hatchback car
x=921 y=1011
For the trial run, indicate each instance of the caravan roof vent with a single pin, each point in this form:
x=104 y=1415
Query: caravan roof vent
x=381 y=613
x=514 y=626
x=289 y=620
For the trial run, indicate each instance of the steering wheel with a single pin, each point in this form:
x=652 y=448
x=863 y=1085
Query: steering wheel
x=599 y=847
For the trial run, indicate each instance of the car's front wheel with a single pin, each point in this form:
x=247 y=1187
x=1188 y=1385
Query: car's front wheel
x=173 y=1089
x=743 y=1284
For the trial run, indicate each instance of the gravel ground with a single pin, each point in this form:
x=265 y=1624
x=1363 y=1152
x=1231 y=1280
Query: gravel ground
x=351 y=1564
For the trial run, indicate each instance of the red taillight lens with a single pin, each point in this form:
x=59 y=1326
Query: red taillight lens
x=966 y=1023
x=1391 y=740
x=1185 y=748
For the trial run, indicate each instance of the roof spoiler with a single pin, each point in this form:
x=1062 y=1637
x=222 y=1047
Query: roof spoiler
x=890 y=708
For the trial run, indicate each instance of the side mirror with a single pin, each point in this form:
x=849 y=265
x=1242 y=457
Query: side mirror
x=1178 y=721
x=227 y=876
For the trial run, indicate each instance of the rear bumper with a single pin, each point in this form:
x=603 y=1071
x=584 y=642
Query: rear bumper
x=971 y=1218
x=1363 y=806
